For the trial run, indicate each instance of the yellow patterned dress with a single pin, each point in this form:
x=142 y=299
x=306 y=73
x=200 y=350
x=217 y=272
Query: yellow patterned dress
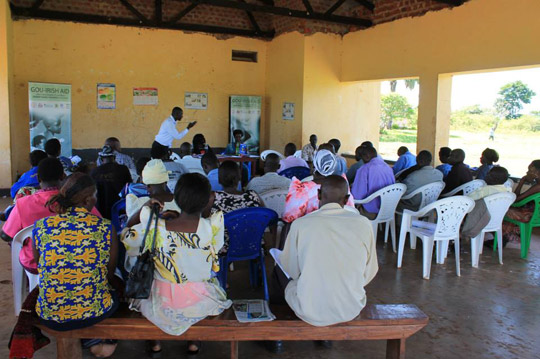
x=184 y=290
x=74 y=253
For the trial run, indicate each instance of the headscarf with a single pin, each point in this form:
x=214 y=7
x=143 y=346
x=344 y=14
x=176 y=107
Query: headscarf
x=155 y=173
x=324 y=162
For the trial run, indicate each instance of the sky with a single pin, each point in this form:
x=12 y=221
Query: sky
x=479 y=89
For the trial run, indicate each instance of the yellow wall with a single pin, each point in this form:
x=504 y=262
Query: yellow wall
x=333 y=109
x=174 y=62
x=6 y=44
x=479 y=35
x=284 y=83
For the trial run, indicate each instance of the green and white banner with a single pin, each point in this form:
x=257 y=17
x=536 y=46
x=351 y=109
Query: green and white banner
x=245 y=115
x=50 y=115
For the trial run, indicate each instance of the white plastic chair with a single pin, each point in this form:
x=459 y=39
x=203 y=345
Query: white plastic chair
x=298 y=154
x=429 y=194
x=450 y=214
x=497 y=205
x=509 y=184
x=466 y=188
x=18 y=277
x=267 y=152
x=275 y=199
x=390 y=196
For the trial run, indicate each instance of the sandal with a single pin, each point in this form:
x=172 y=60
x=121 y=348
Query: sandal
x=194 y=343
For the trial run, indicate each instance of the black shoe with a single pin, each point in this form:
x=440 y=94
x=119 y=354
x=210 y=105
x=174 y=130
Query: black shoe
x=275 y=347
x=327 y=344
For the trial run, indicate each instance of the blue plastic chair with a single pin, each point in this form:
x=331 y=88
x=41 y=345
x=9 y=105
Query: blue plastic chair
x=299 y=172
x=246 y=229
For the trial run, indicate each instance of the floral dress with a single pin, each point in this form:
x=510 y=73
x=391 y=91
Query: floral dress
x=73 y=257
x=184 y=290
x=303 y=198
x=225 y=202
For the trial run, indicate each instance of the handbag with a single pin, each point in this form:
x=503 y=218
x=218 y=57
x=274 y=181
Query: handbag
x=141 y=276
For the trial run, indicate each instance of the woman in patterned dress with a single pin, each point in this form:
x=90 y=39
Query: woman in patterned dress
x=185 y=289
x=231 y=198
x=76 y=252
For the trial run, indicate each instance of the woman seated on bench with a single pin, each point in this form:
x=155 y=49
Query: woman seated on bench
x=76 y=253
x=184 y=289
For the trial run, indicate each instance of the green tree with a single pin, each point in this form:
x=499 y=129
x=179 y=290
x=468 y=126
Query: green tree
x=511 y=98
x=394 y=107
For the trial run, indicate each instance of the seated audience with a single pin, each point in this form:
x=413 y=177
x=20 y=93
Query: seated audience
x=31 y=208
x=184 y=290
x=303 y=196
x=233 y=148
x=524 y=213
x=489 y=156
x=308 y=151
x=199 y=145
x=210 y=165
x=459 y=174
x=137 y=188
x=417 y=176
x=53 y=148
x=371 y=177
x=290 y=160
x=406 y=159
x=231 y=198
x=330 y=257
x=110 y=178
x=341 y=167
x=495 y=179
x=351 y=173
x=77 y=253
x=270 y=180
x=120 y=158
x=444 y=167
x=175 y=169
x=155 y=178
x=29 y=178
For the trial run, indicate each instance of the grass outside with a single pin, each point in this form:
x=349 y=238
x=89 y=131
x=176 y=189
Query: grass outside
x=516 y=150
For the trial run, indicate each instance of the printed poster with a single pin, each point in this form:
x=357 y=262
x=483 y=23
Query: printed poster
x=196 y=100
x=106 y=96
x=145 y=96
x=245 y=115
x=288 y=111
x=50 y=115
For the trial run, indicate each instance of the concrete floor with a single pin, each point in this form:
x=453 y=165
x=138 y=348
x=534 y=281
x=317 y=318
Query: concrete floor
x=490 y=312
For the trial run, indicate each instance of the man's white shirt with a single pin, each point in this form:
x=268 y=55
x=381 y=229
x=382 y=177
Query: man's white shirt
x=168 y=132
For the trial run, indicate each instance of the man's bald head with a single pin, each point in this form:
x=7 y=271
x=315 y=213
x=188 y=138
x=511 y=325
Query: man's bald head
x=334 y=189
x=456 y=156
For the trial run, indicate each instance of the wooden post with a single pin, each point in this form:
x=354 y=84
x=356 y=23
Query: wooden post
x=234 y=350
x=68 y=348
x=395 y=349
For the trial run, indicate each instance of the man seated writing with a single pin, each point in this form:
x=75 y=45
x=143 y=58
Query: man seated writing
x=330 y=257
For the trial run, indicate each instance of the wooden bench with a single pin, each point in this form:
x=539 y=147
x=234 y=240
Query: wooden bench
x=391 y=322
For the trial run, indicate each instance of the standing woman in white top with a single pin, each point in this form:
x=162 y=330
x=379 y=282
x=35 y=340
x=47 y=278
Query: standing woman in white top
x=168 y=132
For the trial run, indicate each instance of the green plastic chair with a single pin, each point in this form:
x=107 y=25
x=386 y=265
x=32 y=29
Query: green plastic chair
x=525 y=228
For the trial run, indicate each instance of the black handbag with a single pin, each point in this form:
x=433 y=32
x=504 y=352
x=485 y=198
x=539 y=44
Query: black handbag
x=141 y=276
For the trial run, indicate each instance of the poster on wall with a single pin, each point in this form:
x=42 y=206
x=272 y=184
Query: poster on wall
x=143 y=96
x=106 y=96
x=288 y=111
x=245 y=115
x=50 y=115
x=196 y=100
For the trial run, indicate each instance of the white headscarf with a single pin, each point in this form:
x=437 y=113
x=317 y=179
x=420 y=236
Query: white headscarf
x=155 y=173
x=324 y=162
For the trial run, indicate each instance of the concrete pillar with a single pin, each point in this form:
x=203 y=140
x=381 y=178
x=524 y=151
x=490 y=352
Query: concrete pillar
x=5 y=93
x=434 y=113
